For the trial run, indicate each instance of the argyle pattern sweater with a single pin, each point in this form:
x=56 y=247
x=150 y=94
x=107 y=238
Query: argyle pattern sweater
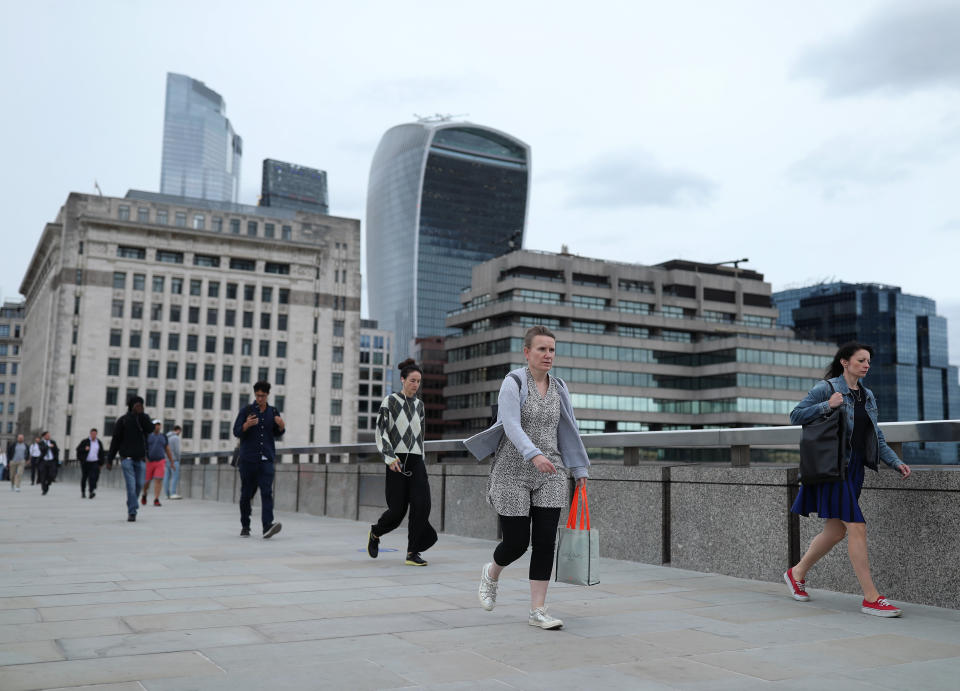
x=400 y=427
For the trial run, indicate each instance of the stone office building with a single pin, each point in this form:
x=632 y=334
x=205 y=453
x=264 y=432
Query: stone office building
x=11 y=328
x=678 y=345
x=187 y=303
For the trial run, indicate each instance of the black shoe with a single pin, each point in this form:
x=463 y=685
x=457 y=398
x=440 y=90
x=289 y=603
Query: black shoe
x=83 y=495
x=373 y=545
x=156 y=502
x=132 y=518
x=272 y=530
x=245 y=532
x=45 y=491
x=414 y=559
x=93 y=494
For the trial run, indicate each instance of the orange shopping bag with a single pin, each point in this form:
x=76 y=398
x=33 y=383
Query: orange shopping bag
x=578 y=547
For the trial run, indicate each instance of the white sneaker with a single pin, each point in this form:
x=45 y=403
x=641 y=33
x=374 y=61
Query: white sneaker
x=488 y=589
x=539 y=617
x=174 y=496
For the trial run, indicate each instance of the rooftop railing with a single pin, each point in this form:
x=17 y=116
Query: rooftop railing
x=739 y=441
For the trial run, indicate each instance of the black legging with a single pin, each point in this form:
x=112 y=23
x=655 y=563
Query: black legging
x=413 y=490
x=517 y=537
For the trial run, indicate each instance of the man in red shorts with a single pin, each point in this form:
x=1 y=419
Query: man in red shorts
x=158 y=452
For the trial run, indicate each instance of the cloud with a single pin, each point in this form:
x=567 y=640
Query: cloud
x=638 y=180
x=952 y=225
x=902 y=49
x=841 y=165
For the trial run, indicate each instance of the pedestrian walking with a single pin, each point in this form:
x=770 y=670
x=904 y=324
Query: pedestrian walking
x=527 y=486
x=90 y=456
x=129 y=442
x=400 y=428
x=17 y=455
x=49 y=460
x=257 y=426
x=171 y=479
x=35 y=459
x=158 y=453
x=837 y=502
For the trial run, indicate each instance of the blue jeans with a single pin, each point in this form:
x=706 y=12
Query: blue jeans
x=134 y=473
x=171 y=478
x=256 y=475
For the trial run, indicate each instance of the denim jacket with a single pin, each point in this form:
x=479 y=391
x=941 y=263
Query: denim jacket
x=815 y=404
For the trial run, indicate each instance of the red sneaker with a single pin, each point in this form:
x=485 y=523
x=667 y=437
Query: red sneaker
x=880 y=608
x=797 y=588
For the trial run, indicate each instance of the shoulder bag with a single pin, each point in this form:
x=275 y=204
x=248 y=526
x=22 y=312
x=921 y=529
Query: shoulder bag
x=821 y=448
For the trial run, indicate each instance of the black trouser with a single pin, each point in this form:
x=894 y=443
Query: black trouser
x=408 y=490
x=254 y=475
x=48 y=471
x=517 y=536
x=34 y=469
x=89 y=473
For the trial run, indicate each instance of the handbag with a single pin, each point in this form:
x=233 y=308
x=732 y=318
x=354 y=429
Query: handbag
x=578 y=547
x=821 y=448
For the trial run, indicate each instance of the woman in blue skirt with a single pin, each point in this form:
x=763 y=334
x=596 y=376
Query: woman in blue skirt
x=837 y=502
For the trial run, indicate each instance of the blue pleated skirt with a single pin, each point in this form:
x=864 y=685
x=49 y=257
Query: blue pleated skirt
x=835 y=499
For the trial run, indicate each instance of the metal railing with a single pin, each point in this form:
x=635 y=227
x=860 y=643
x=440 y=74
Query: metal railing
x=739 y=441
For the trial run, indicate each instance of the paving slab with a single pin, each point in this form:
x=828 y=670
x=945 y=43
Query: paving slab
x=178 y=601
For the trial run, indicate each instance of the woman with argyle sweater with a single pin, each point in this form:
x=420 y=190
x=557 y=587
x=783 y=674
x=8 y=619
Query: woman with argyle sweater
x=400 y=440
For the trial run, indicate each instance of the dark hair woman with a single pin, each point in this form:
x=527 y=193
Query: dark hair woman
x=837 y=502
x=527 y=487
x=400 y=439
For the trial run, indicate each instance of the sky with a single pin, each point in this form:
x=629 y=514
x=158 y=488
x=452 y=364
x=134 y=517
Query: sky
x=819 y=139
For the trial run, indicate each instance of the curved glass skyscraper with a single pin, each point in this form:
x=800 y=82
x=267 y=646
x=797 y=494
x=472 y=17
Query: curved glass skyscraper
x=201 y=152
x=443 y=197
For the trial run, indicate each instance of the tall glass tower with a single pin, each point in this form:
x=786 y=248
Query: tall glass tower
x=442 y=198
x=201 y=152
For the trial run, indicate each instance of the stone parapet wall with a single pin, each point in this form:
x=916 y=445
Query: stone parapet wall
x=709 y=518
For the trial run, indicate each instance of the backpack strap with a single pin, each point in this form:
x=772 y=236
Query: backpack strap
x=516 y=378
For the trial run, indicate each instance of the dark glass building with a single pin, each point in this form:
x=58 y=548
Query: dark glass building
x=442 y=198
x=201 y=152
x=291 y=186
x=910 y=373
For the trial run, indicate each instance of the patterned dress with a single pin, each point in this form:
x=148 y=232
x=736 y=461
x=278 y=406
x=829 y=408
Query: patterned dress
x=514 y=484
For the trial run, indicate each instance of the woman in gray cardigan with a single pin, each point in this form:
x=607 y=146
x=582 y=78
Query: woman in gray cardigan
x=537 y=438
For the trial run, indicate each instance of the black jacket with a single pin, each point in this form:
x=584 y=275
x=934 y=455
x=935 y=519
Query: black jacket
x=84 y=448
x=12 y=449
x=50 y=446
x=130 y=436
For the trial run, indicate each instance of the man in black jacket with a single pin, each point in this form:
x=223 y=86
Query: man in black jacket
x=49 y=458
x=90 y=456
x=130 y=442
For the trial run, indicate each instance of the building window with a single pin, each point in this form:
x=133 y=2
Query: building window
x=116 y=338
x=249 y=292
x=192 y=340
x=116 y=308
x=206 y=260
x=280 y=376
x=230 y=318
x=123 y=212
x=278 y=402
x=150 y=400
x=206 y=429
x=281 y=349
x=125 y=252
x=337 y=353
x=243 y=264
x=136 y=310
x=336 y=380
x=231 y=291
x=268 y=230
x=281 y=322
x=228 y=345
x=168 y=257
x=119 y=280
x=211 y=316
x=266 y=294
x=276 y=268
x=193 y=315
x=170 y=399
x=153 y=369
x=143 y=214
x=176 y=286
x=198 y=222
x=336 y=406
x=175 y=313
x=210 y=346
x=156 y=311
x=225 y=429
x=190 y=399
x=216 y=224
x=135 y=337
x=139 y=281
x=207 y=400
x=213 y=289
x=252 y=228
x=334 y=434
x=180 y=219
x=248 y=320
x=171 y=369
x=162 y=217
x=226 y=375
x=173 y=341
x=190 y=371
x=263 y=373
x=111 y=395
x=158 y=284
x=264 y=348
x=187 y=430
x=286 y=232
x=338 y=328
x=196 y=287
x=244 y=374
x=264 y=320
x=235 y=226
x=283 y=296
x=246 y=346
x=133 y=368
x=225 y=401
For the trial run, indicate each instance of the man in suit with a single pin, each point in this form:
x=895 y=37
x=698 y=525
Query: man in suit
x=49 y=459
x=90 y=455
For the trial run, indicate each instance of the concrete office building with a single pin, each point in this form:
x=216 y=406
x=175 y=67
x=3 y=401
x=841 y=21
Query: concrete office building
x=290 y=186
x=11 y=338
x=678 y=345
x=188 y=303
x=374 y=377
x=201 y=152
x=431 y=355
x=910 y=372
x=443 y=197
